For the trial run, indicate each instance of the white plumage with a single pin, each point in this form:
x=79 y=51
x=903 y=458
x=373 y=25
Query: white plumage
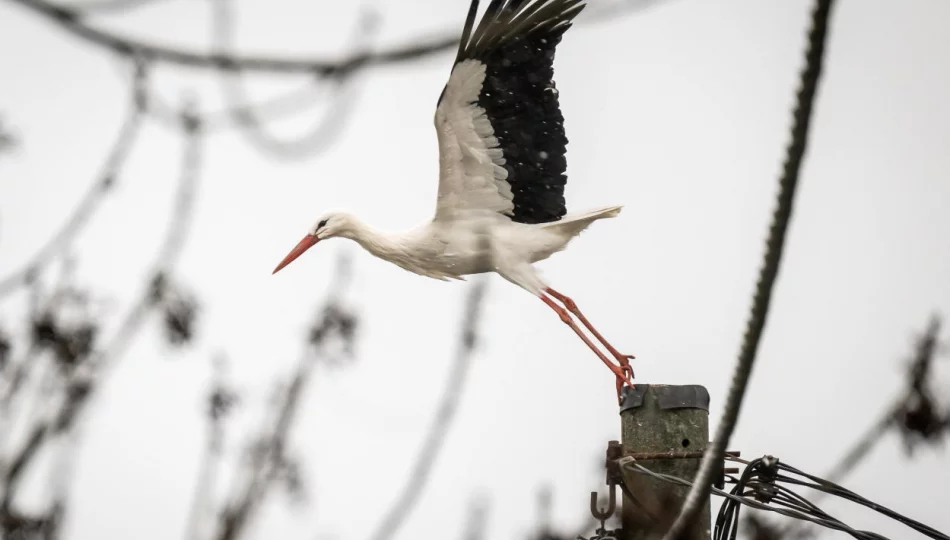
x=472 y=173
x=500 y=205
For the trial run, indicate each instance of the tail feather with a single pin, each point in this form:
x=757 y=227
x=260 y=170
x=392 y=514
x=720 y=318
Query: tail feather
x=573 y=224
x=568 y=227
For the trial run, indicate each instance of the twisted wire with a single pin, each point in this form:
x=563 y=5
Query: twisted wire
x=767 y=276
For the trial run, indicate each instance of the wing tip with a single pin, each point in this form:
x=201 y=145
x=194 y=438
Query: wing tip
x=467 y=30
x=505 y=20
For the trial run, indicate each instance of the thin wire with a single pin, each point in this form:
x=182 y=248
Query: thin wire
x=769 y=272
x=765 y=479
x=752 y=503
x=839 y=491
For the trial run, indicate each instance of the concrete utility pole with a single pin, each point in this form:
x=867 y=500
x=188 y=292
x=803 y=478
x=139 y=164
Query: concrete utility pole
x=665 y=429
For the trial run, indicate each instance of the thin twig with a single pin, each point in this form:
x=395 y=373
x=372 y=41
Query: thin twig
x=18 y=464
x=919 y=374
x=86 y=209
x=83 y=385
x=434 y=440
x=269 y=450
x=220 y=400
x=7 y=139
x=107 y=7
x=775 y=245
x=610 y=11
x=72 y=22
x=169 y=251
x=860 y=449
x=477 y=519
x=22 y=372
x=342 y=93
x=268 y=457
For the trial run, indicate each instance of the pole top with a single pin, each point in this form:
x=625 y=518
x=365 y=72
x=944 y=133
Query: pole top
x=668 y=396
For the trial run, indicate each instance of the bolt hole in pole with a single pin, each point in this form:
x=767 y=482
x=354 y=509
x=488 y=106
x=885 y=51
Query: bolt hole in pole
x=685 y=443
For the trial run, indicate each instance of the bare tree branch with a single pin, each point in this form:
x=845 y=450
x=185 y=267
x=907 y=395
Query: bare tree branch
x=106 y=7
x=434 y=440
x=71 y=21
x=267 y=457
x=543 y=530
x=269 y=460
x=342 y=91
x=918 y=389
x=105 y=180
x=221 y=399
x=84 y=377
x=171 y=247
x=7 y=139
x=477 y=520
x=17 y=465
x=609 y=11
x=928 y=425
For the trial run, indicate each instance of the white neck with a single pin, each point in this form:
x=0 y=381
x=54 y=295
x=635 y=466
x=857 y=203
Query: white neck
x=384 y=245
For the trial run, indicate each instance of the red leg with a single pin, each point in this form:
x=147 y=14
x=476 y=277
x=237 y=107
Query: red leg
x=619 y=371
x=622 y=359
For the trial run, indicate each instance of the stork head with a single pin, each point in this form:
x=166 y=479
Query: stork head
x=327 y=226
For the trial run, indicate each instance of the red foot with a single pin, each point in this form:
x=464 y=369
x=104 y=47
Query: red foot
x=624 y=377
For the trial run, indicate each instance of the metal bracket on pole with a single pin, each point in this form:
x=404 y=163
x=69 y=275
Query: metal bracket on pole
x=614 y=452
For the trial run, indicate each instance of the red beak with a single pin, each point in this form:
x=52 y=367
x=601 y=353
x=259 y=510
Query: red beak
x=308 y=242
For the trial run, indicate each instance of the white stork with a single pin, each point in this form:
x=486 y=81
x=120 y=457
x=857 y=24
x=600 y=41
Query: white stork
x=502 y=149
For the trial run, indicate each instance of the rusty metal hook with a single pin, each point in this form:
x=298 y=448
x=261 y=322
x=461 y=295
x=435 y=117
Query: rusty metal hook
x=602 y=515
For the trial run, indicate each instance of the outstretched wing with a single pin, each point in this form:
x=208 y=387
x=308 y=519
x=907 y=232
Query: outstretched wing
x=501 y=133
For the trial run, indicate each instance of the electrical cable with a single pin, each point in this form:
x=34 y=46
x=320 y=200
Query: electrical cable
x=762 y=486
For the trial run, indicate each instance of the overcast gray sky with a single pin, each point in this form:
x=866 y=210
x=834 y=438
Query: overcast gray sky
x=680 y=112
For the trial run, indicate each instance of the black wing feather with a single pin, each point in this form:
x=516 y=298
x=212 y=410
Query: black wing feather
x=516 y=40
x=467 y=30
x=489 y=20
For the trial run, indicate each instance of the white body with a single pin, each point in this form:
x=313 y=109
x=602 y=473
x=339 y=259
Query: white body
x=476 y=243
x=502 y=166
x=477 y=226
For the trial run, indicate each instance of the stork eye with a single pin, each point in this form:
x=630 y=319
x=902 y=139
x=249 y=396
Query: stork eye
x=321 y=224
